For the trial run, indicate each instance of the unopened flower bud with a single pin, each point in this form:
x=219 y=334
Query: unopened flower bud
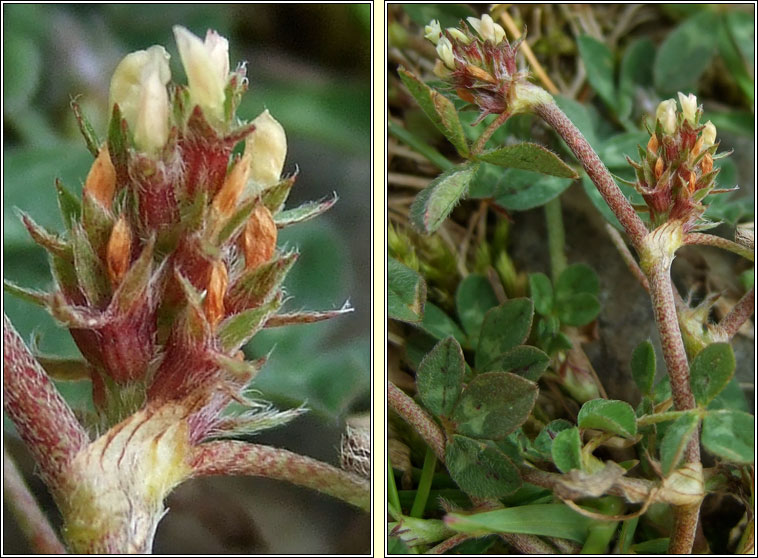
x=119 y=251
x=259 y=238
x=697 y=147
x=267 y=148
x=207 y=67
x=488 y=30
x=101 y=180
x=692 y=181
x=213 y=305
x=658 y=168
x=706 y=165
x=708 y=135
x=227 y=197
x=458 y=35
x=689 y=107
x=445 y=52
x=139 y=87
x=433 y=31
x=652 y=144
x=666 y=115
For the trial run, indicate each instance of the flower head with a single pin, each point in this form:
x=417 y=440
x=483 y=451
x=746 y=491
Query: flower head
x=138 y=86
x=207 y=66
x=488 y=30
x=689 y=107
x=433 y=32
x=676 y=170
x=479 y=64
x=666 y=115
x=267 y=148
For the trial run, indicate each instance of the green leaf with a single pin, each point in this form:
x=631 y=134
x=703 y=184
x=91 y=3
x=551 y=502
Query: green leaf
x=675 y=441
x=420 y=145
x=118 y=144
x=580 y=115
x=549 y=520
x=504 y=327
x=396 y=546
x=598 y=61
x=530 y=157
x=643 y=367
x=22 y=70
x=543 y=443
x=440 y=325
x=519 y=190
x=97 y=221
x=38 y=298
x=493 y=405
x=597 y=200
x=737 y=121
x=566 y=450
x=614 y=150
x=635 y=72
x=711 y=371
x=578 y=310
x=86 y=129
x=576 y=292
x=69 y=205
x=742 y=30
x=435 y=202
x=89 y=269
x=473 y=299
x=480 y=469
x=258 y=285
x=440 y=377
x=730 y=435
x=406 y=292
x=523 y=360
x=275 y=196
x=449 y=15
x=239 y=328
x=608 y=415
x=306 y=211
x=541 y=290
x=730 y=54
x=135 y=282
x=685 y=54
x=576 y=278
x=438 y=108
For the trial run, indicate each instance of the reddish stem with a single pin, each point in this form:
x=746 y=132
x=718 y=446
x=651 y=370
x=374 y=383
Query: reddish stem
x=25 y=509
x=739 y=314
x=718 y=242
x=43 y=419
x=241 y=458
x=672 y=345
x=448 y=544
x=419 y=419
x=596 y=170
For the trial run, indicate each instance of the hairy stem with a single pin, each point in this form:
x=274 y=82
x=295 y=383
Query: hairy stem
x=738 y=315
x=664 y=308
x=241 y=458
x=718 y=242
x=487 y=134
x=527 y=544
x=33 y=523
x=596 y=170
x=43 y=419
x=556 y=238
x=419 y=419
x=447 y=544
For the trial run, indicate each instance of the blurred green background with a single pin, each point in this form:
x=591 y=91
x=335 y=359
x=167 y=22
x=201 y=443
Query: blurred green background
x=310 y=66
